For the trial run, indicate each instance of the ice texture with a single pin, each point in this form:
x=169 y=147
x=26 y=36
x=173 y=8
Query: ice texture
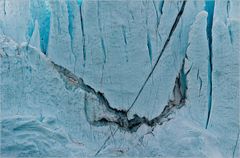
x=83 y=78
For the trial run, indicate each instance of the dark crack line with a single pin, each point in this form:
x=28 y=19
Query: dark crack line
x=124 y=35
x=149 y=45
x=121 y=118
x=111 y=135
x=161 y=6
x=83 y=34
x=200 y=82
x=125 y=41
x=161 y=52
x=230 y=33
x=4 y=7
x=228 y=8
x=133 y=124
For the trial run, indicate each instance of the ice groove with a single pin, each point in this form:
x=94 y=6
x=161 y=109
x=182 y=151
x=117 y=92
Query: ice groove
x=83 y=34
x=70 y=30
x=101 y=33
x=210 y=9
x=4 y=7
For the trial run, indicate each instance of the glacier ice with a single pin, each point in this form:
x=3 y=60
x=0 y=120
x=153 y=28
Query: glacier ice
x=153 y=78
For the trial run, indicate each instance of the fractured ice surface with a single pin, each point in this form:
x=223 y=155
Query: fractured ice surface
x=119 y=78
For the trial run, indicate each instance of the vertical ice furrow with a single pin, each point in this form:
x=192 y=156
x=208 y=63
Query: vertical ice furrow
x=103 y=48
x=149 y=46
x=157 y=13
x=183 y=80
x=230 y=33
x=83 y=34
x=125 y=41
x=228 y=8
x=161 y=12
x=209 y=7
x=124 y=35
x=200 y=81
x=70 y=21
x=101 y=32
x=4 y=7
x=70 y=29
x=161 y=6
x=151 y=25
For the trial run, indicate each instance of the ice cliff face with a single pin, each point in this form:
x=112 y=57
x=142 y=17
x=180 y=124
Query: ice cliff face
x=119 y=78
